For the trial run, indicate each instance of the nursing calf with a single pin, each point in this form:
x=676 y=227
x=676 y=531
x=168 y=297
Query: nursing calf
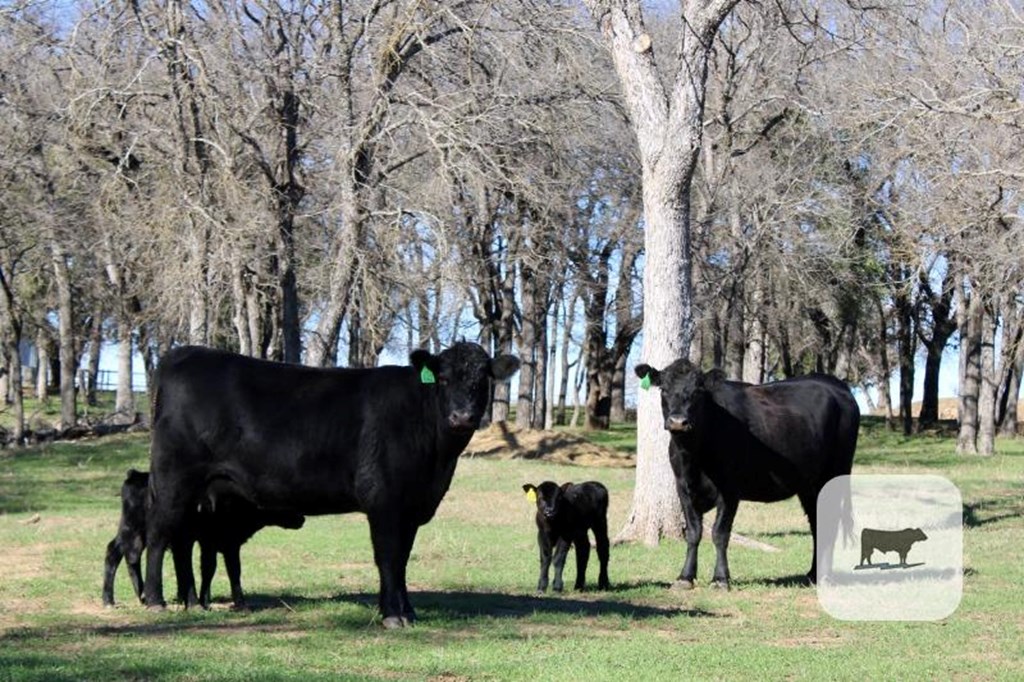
x=564 y=515
x=732 y=441
x=222 y=524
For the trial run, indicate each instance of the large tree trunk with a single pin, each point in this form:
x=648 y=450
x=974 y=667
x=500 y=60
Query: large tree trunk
x=124 y=399
x=95 y=346
x=42 y=364
x=989 y=385
x=66 y=335
x=563 y=387
x=970 y=317
x=1011 y=363
x=10 y=337
x=528 y=349
x=905 y=338
x=669 y=128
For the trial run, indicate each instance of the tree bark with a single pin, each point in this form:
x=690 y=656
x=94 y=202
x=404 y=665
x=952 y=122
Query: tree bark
x=66 y=336
x=42 y=363
x=970 y=317
x=669 y=128
x=989 y=384
x=95 y=347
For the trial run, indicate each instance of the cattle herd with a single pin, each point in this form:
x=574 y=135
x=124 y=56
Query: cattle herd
x=239 y=444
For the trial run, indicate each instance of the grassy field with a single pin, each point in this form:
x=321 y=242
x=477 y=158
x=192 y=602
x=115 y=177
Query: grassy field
x=472 y=575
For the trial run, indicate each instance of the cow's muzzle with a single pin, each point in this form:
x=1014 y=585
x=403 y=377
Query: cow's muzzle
x=462 y=420
x=677 y=423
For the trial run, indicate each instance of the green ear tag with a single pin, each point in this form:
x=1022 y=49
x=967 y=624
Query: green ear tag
x=426 y=376
x=645 y=383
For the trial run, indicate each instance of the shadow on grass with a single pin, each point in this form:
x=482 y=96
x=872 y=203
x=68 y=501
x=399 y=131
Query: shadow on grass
x=984 y=512
x=468 y=605
x=781 y=581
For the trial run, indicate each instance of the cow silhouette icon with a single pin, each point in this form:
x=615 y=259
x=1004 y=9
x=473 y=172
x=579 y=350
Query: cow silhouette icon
x=899 y=541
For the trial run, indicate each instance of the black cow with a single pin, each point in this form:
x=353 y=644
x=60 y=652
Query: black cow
x=564 y=515
x=305 y=440
x=732 y=441
x=223 y=524
x=899 y=541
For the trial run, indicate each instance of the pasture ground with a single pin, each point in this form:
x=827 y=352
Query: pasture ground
x=472 y=576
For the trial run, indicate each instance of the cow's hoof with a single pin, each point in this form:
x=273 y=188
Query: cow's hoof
x=682 y=584
x=394 y=622
x=720 y=585
x=604 y=586
x=156 y=608
x=108 y=604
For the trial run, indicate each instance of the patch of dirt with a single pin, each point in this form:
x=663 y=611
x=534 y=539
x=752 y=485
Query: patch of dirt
x=25 y=562
x=504 y=441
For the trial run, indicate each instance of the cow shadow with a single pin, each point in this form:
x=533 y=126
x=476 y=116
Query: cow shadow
x=466 y=605
x=463 y=605
x=995 y=509
x=796 y=580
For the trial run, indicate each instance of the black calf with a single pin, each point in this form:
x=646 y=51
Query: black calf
x=564 y=515
x=223 y=523
x=131 y=535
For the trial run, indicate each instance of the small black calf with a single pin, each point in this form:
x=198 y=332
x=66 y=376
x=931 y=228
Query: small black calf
x=131 y=535
x=564 y=515
x=224 y=524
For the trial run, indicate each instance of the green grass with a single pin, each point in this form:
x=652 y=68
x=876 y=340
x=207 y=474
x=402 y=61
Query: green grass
x=472 y=575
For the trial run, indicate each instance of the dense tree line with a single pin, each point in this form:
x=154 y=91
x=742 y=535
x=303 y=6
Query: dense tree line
x=322 y=182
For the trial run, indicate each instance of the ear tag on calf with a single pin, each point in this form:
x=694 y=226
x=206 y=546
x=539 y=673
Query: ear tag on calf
x=645 y=383
x=531 y=495
x=426 y=376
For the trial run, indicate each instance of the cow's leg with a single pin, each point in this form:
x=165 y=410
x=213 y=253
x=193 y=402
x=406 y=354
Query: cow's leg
x=582 y=557
x=601 y=539
x=810 y=504
x=133 y=562
x=110 y=564
x=694 y=529
x=181 y=551
x=560 y=552
x=544 y=545
x=386 y=536
x=408 y=539
x=207 y=569
x=720 y=533
x=233 y=565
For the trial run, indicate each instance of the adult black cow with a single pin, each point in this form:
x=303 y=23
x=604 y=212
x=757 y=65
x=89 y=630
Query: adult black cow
x=305 y=440
x=732 y=441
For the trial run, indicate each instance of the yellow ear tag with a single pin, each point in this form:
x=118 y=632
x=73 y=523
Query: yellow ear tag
x=531 y=495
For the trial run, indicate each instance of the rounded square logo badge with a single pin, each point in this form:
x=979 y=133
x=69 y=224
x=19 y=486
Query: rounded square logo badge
x=890 y=547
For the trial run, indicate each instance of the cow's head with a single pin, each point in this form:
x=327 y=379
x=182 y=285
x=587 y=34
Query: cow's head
x=549 y=496
x=685 y=391
x=918 y=534
x=461 y=376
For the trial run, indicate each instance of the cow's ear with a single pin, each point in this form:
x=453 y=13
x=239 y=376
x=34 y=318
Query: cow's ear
x=504 y=366
x=566 y=486
x=713 y=379
x=426 y=364
x=648 y=375
x=531 y=491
